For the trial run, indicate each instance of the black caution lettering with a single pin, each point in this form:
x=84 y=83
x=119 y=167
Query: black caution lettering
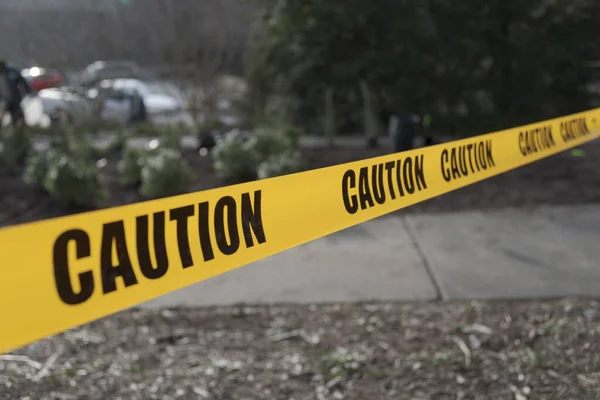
x=151 y=246
x=364 y=190
x=536 y=140
x=350 y=201
x=181 y=216
x=382 y=182
x=574 y=129
x=149 y=269
x=445 y=159
x=113 y=238
x=389 y=167
x=399 y=181
x=222 y=230
x=204 y=231
x=377 y=183
x=408 y=176
x=252 y=219
x=62 y=279
x=464 y=160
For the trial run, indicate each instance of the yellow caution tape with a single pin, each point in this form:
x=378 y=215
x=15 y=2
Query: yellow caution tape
x=64 y=272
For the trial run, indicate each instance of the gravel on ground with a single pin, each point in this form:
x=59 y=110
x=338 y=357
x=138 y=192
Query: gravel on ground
x=475 y=350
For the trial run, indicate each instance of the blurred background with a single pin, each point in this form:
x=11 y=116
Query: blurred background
x=490 y=291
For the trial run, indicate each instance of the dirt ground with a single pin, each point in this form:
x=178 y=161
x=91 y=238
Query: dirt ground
x=477 y=350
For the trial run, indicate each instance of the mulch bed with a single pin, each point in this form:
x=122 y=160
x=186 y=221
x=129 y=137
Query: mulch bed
x=560 y=180
x=501 y=350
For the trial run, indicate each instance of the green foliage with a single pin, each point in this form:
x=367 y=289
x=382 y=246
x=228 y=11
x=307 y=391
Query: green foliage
x=491 y=64
x=16 y=146
x=37 y=166
x=239 y=159
x=73 y=141
x=284 y=163
x=131 y=164
x=74 y=182
x=134 y=159
x=119 y=143
x=165 y=173
x=214 y=125
x=269 y=140
x=171 y=137
x=235 y=158
x=60 y=141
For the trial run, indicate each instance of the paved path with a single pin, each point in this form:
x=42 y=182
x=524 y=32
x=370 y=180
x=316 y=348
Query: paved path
x=545 y=252
x=542 y=252
x=372 y=261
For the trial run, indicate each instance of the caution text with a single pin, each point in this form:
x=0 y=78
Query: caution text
x=378 y=183
x=536 y=140
x=214 y=230
x=574 y=129
x=461 y=161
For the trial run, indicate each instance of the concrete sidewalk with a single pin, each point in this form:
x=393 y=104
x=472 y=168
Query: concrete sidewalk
x=372 y=261
x=526 y=253
x=520 y=253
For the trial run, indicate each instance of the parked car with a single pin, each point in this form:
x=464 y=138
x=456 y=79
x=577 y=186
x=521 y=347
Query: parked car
x=101 y=70
x=129 y=100
x=42 y=78
x=76 y=106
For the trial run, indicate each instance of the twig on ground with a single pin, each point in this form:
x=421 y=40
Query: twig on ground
x=46 y=367
x=559 y=377
x=477 y=328
x=294 y=334
x=464 y=348
x=25 y=359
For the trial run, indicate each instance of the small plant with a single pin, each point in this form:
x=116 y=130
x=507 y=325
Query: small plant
x=342 y=363
x=74 y=182
x=119 y=142
x=171 y=137
x=281 y=164
x=235 y=159
x=16 y=146
x=212 y=126
x=268 y=151
x=131 y=164
x=165 y=173
x=37 y=165
x=271 y=140
x=69 y=140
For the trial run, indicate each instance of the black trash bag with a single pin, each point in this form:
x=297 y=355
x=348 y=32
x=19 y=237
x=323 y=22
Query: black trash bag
x=404 y=127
